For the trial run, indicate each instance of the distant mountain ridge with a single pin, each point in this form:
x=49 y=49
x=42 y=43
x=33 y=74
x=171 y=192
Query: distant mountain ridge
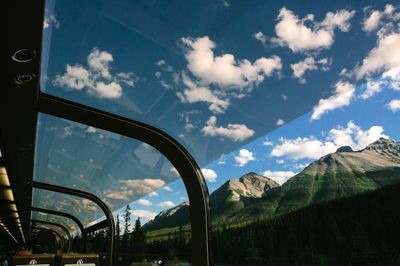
x=340 y=174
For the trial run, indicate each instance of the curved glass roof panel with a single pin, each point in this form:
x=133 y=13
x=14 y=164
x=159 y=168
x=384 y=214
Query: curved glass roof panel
x=85 y=210
x=214 y=74
x=66 y=222
x=117 y=169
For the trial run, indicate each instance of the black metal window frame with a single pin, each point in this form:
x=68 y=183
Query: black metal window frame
x=66 y=215
x=63 y=228
x=24 y=26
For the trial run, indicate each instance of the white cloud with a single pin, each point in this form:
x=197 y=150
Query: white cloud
x=394 y=105
x=302 y=148
x=97 y=78
x=153 y=194
x=280 y=122
x=167 y=188
x=352 y=135
x=124 y=195
x=389 y=79
x=167 y=203
x=209 y=174
x=244 y=157
x=160 y=62
x=215 y=80
x=99 y=61
x=309 y=64
x=225 y=71
x=143 y=214
x=76 y=77
x=142 y=186
x=312 y=148
x=234 y=132
x=85 y=204
x=91 y=130
x=279 y=176
x=373 y=19
x=295 y=34
x=50 y=20
x=372 y=87
x=193 y=93
x=343 y=94
x=111 y=90
x=260 y=37
x=268 y=142
x=385 y=56
x=143 y=202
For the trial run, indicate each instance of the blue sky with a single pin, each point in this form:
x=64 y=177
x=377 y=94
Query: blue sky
x=267 y=87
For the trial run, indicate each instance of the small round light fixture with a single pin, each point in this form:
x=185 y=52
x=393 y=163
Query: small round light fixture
x=24 y=55
x=24 y=78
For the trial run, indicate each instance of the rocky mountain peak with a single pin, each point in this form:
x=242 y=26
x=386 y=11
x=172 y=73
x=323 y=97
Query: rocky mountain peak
x=344 y=149
x=250 y=185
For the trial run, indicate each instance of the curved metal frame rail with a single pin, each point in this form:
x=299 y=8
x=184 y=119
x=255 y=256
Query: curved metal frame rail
x=67 y=215
x=89 y=196
x=56 y=234
x=179 y=157
x=60 y=226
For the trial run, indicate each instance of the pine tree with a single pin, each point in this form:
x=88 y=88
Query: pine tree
x=117 y=229
x=125 y=238
x=138 y=237
x=127 y=218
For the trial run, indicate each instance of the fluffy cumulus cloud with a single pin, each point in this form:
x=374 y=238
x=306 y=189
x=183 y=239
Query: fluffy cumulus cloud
x=234 y=132
x=209 y=174
x=374 y=19
x=394 y=105
x=383 y=57
x=307 y=34
x=311 y=148
x=197 y=93
x=143 y=214
x=144 y=202
x=309 y=64
x=50 y=20
x=215 y=80
x=142 y=186
x=280 y=122
x=244 y=156
x=342 y=96
x=389 y=79
x=225 y=70
x=85 y=204
x=167 y=203
x=279 y=176
x=260 y=37
x=96 y=78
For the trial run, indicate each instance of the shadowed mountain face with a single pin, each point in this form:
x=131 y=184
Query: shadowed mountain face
x=336 y=175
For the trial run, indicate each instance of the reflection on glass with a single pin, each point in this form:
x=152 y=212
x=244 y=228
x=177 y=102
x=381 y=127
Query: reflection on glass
x=287 y=187
x=139 y=185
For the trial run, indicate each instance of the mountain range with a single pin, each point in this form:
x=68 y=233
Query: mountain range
x=337 y=175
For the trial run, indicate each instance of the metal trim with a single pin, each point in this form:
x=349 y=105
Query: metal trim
x=168 y=146
x=67 y=215
x=60 y=226
x=89 y=196
x=56 y=233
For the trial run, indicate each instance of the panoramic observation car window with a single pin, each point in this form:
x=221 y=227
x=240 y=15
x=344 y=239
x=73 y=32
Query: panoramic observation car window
x=291 y=110
x=135 y=181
